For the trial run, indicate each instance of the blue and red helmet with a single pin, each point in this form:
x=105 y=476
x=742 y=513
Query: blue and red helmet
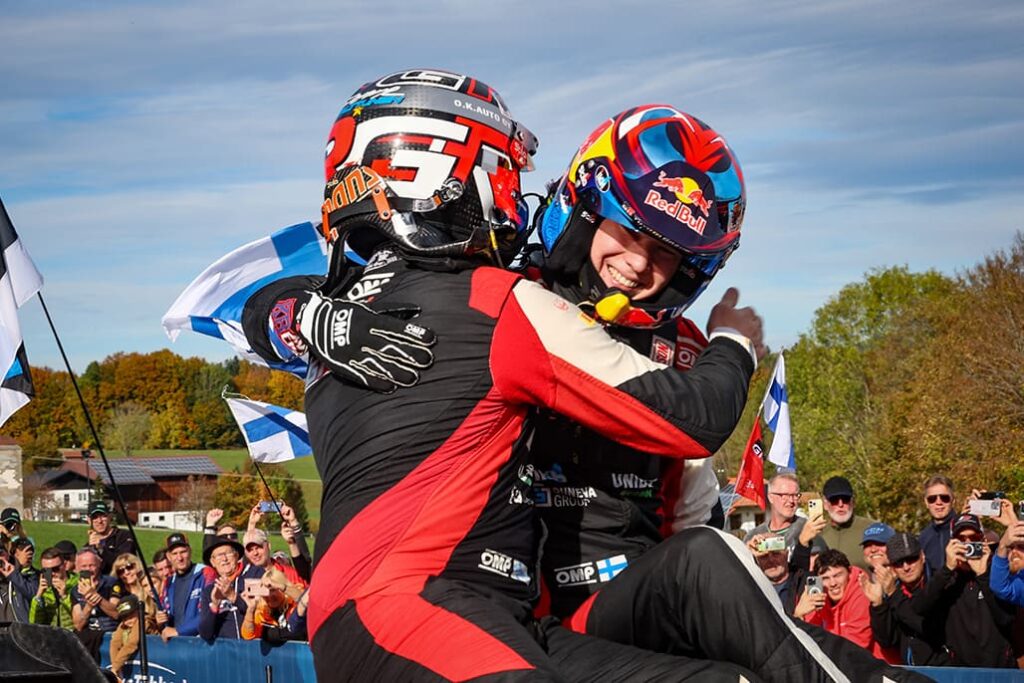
x=656 y=170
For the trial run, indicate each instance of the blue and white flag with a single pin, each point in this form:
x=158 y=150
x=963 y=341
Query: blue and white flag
x=776 y=414
x=213 y=303
x=272 y=433
x=19 y=282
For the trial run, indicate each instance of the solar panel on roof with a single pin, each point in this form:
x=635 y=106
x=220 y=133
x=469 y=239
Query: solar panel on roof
x=178 y=466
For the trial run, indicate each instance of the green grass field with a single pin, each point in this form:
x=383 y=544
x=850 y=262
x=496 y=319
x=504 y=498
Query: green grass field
x=46 y=534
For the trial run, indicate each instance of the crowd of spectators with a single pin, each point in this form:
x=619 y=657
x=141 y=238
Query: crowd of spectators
x=950 y=595
x=240 y=589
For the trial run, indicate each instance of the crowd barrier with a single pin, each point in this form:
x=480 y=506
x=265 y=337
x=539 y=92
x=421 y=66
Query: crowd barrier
x=193 y=660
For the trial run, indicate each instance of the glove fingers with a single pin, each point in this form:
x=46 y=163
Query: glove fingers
x=383 y=369
x=402 y=352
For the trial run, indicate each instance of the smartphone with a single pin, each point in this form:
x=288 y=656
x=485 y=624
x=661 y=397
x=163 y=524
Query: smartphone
x=814 y=586
x=814 y=508
x=48 y=575
x=85 y=574
x=772 y=544
x=1020 y=511
x=991 y=495
x=984 y=507
x=267 y=506
x=975 y=549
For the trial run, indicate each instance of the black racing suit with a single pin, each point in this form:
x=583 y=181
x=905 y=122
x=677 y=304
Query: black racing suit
x=427 y=546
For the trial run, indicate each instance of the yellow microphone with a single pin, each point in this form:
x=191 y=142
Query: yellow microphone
x=612 y=305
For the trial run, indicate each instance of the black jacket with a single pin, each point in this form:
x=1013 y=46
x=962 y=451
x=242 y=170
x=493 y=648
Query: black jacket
x=976 y=625
x=918 y=640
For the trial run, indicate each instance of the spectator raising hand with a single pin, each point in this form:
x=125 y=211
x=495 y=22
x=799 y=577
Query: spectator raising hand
x=812 y=529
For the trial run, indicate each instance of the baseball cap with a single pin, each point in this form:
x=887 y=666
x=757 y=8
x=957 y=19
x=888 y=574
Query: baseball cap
x=837 y=486
x=254 y=536
x=967 y=521
x=901 y=546
x=10 y=515
x=98 y=507
x=879 y=532
x=128 y=605
x=22 y=541
x=177 y=541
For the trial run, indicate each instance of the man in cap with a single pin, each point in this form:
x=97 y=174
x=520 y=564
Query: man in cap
x=22 y=577
x=845 y=529
x=259 y=559
x=10 y=524
x=183 y=590
x=941 y=504
x=222 y=605
x=872 y=544
x=894 y=622
x=976 y=625
x=106 y=537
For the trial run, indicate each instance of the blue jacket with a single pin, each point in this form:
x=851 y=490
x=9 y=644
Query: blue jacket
x=1006 y=586
x=187 y=623
x=226 y=622
x=933 y=539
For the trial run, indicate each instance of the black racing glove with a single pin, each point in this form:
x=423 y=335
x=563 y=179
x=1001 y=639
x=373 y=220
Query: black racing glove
x=380 y=350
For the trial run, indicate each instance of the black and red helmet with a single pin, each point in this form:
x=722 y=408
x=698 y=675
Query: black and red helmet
x=432 y=159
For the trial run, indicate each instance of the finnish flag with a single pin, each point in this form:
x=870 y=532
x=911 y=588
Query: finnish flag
x=19 y=282
x=212 y=304
x=776 y=413
x=272 y=433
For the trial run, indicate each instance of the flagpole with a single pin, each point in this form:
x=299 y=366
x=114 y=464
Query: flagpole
x=96 y=438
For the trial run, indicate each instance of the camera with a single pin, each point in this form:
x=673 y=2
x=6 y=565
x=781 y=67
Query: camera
x=267 y=506
x=975 y=550
x=772 y=544
x=814 y=586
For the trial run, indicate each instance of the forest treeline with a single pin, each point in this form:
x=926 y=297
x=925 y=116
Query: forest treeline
x=900 y=376
x=144 y=400
x=904 y=375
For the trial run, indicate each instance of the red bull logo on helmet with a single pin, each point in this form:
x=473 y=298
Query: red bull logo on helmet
x=687 y=190
x=678 y=210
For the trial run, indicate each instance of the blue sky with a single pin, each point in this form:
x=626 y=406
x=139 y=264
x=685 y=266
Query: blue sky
x=140 y=141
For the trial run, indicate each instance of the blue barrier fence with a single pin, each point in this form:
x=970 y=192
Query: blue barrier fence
x=193 y=660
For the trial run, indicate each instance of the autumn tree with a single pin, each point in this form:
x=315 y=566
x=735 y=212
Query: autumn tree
x=127 y=427
x=239 y=490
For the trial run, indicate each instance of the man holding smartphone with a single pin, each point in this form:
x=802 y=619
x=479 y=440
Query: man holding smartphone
x=976 y=624
x=94 y=601
x=51 y=605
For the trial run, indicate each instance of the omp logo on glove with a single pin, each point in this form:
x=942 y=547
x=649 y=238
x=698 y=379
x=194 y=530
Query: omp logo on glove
x=340 y=326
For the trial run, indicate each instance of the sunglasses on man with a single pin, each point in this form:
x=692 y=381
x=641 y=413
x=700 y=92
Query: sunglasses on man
x=944 y=497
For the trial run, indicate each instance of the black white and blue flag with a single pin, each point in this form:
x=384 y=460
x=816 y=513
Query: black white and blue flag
x=19 y=282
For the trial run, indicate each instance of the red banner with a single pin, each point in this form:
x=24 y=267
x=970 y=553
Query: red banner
x=750 y=481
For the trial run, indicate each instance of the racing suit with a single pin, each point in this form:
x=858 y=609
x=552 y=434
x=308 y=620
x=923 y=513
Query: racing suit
x=605 y=505
x=427 y=546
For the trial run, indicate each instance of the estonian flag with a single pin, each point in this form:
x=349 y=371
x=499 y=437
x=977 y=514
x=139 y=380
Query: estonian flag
x=19 y=282
x=272 y=433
